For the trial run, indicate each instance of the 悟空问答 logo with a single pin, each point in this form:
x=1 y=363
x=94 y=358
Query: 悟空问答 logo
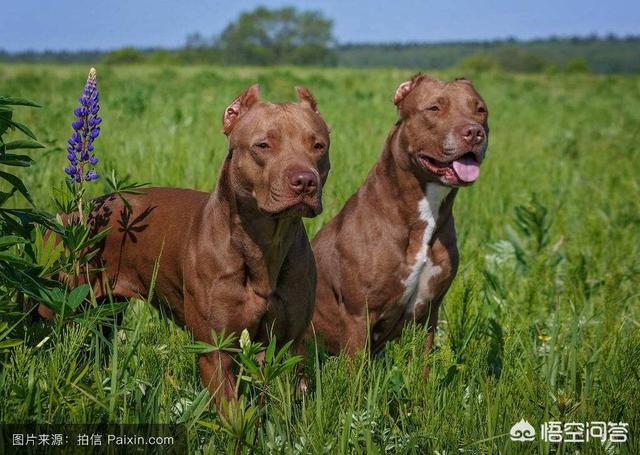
x=522 y=431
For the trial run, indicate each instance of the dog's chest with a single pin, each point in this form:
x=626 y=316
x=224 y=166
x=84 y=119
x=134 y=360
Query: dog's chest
x=422 y=271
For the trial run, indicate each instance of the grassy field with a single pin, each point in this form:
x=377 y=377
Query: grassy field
x=542 y=322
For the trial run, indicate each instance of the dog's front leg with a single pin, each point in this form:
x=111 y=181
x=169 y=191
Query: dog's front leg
x=201 y=305
x=432 y=325
x=216 y=369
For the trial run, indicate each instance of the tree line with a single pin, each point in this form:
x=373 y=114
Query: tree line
x=287 y=36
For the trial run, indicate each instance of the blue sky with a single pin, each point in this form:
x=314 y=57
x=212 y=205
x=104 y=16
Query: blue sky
x=107 y=24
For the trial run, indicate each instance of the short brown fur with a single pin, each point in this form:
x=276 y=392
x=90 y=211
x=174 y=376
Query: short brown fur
x=238 y=258
x=365 y=254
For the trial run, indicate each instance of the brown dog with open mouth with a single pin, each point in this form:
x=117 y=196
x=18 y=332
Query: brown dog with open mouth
x=390 y=255
x=238 y=258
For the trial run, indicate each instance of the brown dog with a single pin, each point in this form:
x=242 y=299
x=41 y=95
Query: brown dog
x=390 y=255
x=238 y=258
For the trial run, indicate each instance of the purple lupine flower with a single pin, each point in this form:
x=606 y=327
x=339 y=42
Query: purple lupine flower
x=85 y=131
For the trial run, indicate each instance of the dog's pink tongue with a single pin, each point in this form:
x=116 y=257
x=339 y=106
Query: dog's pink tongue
x=467 y=169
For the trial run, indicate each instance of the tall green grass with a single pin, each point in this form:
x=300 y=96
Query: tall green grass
x=542 y=322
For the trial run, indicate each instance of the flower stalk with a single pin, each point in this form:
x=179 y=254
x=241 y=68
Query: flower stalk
x=86 y=128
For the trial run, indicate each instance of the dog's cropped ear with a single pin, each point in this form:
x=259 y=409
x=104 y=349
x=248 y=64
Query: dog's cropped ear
x=238 y=107
x=306 y=98
x=403 y=89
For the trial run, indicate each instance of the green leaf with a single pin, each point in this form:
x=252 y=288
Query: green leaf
x=27 y=216
x=77 y=296
x=9 y=240
x=9 y=344
x=54 y=298
x=209 y=425
x=9 y=159
x=200 y=347
x=23 y=144
x=18 y=101
x=249 y=364
x=24 y=128
x=47 y=250
x=4 y=196
x=271 y=349
x=101 y=313
x=88 y=256
x=93 y=240
x=13 y=259
x=17 y=184
x=5 y=117
x=282 y=352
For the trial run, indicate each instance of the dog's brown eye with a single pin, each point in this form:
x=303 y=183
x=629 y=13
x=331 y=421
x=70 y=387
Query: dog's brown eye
x=318 y=146
x=482 y=109
x=262 y=145
x=433 y=108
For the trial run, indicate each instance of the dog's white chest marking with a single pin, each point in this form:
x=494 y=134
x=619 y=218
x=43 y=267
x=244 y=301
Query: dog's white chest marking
x=423 y=270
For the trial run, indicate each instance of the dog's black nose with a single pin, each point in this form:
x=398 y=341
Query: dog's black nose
x=303 y=182
x=473 y=133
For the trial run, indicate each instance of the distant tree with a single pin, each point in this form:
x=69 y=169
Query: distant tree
x=478 y=63
x=162 y=57
x=608 y=54
x=196 y=41
x=278 y=36
x=577 y=65
x=124 y=55
x=518 y=60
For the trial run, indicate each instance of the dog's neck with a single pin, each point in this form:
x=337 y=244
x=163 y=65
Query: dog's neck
x=261 y=240
x=399 y=190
